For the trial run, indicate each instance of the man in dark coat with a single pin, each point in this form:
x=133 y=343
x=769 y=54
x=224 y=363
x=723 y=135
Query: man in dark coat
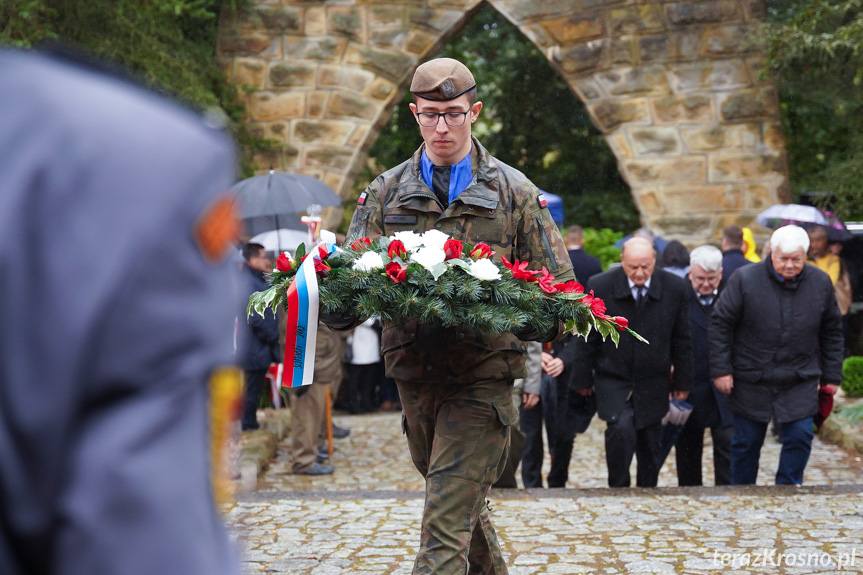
x=632 y=382
x=259 y=346
x=709 y=406
x=118 y=305
x=732 y=251
x=775 y=336
x=584 y=265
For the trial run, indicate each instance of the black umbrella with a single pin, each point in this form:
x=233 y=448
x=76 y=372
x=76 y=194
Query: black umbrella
x=271 y=201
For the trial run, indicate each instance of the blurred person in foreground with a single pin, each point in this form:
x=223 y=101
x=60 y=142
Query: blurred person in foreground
x=456 y=384
x=118 y=304
x=709 y=406
x=775 y=338
x=632 y=381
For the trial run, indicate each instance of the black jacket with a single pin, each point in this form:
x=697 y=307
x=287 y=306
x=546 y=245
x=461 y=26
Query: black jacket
x=777 y=340
x=732 y=260
x=584 y=265
x=259 y=336
x=635 y=368
x=709 y=405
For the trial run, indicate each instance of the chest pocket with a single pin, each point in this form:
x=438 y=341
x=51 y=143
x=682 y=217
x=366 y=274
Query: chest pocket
x=482 y=224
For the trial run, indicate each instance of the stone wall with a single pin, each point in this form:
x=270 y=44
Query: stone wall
x=674 y=86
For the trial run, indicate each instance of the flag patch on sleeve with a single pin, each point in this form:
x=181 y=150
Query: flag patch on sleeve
x=362 y=199
x=543 y=203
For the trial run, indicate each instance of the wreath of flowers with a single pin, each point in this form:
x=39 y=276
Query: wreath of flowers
x=438 y=280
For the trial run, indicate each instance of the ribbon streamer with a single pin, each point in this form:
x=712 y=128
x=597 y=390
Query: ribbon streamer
x=302 y=324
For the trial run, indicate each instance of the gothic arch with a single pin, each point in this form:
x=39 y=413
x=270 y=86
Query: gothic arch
x=674 y=86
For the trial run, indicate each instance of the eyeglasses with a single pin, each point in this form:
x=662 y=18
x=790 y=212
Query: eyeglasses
x=431 y=119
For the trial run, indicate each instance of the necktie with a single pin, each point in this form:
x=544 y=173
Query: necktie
x=639 y=300
x=440 y=183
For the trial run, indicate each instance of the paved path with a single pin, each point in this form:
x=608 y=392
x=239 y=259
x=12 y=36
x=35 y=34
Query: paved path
x=365 y=517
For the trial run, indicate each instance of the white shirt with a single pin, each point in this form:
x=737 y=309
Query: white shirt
x=365 y=344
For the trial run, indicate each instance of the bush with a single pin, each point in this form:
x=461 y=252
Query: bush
x=600 y=244
x=852 y=376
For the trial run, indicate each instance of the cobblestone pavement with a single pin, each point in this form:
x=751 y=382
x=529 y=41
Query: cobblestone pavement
x=365 y=517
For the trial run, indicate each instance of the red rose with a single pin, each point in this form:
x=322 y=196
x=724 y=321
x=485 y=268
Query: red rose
x=321 y=268
x=570 y=287
x=481 y=251
x=284 y=263
x=453 y=249
x=621 y=322
x=519 y=270
x=546 y=282
x=361 y=244
x=396 y=249
x=396 y=272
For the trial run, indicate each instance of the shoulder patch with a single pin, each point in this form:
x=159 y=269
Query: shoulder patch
x=362 y=199
x=540 y=199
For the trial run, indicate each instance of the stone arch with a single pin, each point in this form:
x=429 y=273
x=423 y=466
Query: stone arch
x=674 y=85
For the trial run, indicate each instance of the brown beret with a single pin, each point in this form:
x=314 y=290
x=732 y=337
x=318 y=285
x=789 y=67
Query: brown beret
x=442 y=79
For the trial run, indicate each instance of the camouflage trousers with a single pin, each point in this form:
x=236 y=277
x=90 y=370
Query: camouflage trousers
x=458 y=437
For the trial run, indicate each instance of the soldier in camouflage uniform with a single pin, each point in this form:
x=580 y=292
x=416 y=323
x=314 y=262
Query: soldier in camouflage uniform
x=455 y=384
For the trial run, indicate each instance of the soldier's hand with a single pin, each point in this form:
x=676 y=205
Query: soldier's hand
x=337 y=320
x=724 y=383
x=527 y=333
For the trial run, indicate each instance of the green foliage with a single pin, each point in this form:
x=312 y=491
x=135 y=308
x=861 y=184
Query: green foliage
x=600 y=244
x=852 y=376
x=530 y=120
x=170 y=44
x=815 y=52
x=850 y=413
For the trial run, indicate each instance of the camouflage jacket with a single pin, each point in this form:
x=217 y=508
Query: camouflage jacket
x=500 y=207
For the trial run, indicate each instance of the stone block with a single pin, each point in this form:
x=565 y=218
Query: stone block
x=709 y=12
x=392 y=39
x=381 y=89
x=709 y=76
x=586 y=88
x=316 y=104
x=278 y=130
x=667 y=226
x=623 y=52
x=339 y=158
x=650 y=141
x=438 y=20
x=346 y=20
x=381 y=15
x=576 y=28
x=349 y=105
x=679 y=170
x=249 y=72
x=321 y=132
x=609 y=114
x=774 y=136
x=419 y=42
x=749 y=105
x=538 y=35
x=722 y=137
x=759 y=196
x=729 y=40
x=619 y=145
x=277 y=18
x=636 y=19
x=344 y=77
x=386 y=63
x=736 y=166
x=581 y=57
x=653 y=48
x=689 y=109
x=289 y=156
x=520 y=10
x=357 y=139
x=266 y=106
x=245 y=44
x=323 y=48
x=288 y=75
x=702 y=199
x=684 y=44
x=315 y=21
x=648 y=201
x=754 y=10
x=634 y=81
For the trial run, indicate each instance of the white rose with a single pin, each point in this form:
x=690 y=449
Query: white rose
x=429 y=257
x=411 y=240
x=484 y=269
x=434 y=239
x=369 y=261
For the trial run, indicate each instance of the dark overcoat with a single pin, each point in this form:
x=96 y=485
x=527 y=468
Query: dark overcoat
x=709 y=405
x=633 y=368
x=778 y=340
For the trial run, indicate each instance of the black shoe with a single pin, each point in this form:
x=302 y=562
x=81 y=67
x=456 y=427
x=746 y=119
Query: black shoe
x=317 y=469
x=323 y=454
x=340 y=432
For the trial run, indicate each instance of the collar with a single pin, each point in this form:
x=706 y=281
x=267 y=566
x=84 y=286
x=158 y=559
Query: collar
x=632 y=283
x=461 y=174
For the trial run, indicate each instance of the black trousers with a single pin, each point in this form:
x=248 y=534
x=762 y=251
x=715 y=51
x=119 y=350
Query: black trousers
x=689 y=449
x=622 y=441
x=530 y=421
x=255 y=380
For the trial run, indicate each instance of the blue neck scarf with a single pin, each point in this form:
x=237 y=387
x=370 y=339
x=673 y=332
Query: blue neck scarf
x=460 y=177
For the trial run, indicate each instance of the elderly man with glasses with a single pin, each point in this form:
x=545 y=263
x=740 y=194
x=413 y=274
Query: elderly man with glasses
x=455 y=384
